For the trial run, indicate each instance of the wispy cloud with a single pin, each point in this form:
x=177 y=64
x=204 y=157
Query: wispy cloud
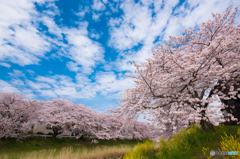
x=16 y=74
x=6 y=87
x=98 y=5
x=31 y=72
x=84 y=51
x=82 y=11
x=5 y=64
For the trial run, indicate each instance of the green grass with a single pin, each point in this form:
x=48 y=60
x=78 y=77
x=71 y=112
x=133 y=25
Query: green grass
x=187 y=144
x=13 y=148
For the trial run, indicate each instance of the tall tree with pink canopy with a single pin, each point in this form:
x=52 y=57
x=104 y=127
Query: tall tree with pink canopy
x=17 y=115
x=177 y=85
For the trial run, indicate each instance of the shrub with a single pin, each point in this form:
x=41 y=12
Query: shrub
x=228 y=143
x=179 y=144
x=142 y=150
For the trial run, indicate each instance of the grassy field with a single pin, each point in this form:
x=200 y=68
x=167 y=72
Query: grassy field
x=191 y=144
x=64 y=148
x=186 y=144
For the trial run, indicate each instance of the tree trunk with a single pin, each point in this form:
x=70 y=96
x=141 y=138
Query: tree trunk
x=54 y=136
x=55 y=133
x=206 y=125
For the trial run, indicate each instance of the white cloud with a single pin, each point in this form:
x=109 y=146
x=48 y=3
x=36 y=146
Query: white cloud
x=64 y=91
x=5 y=64
x=82 y=12
x=107 y=82
x=82 y=80
x=95 y=16
x=105 y=1
x=113 y=8
x=13 y=88
x=16 y=74
x=94 y=34
x=98 y=5
x=84 y=51
x=31 y=72
x=73 y=66
x=6 y=87
x=48 y=93
x=52 y=8
x=17 y=82
x=174 y=27
x=38 y=86
x=29 y=94
x=113 y=22
x=52 y=27
x=108 y=66
x=25 y=37
x=46 y=79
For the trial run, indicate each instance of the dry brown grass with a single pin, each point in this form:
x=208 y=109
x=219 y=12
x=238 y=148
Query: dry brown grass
x=103 y=152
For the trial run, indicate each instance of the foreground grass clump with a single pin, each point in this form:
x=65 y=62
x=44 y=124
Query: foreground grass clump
x=228 y=143
x=142 y=150
x=68 y=148
x=179 y=145
x=189 y=144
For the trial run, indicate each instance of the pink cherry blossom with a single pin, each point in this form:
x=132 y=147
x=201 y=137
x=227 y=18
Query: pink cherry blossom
x=16 y=115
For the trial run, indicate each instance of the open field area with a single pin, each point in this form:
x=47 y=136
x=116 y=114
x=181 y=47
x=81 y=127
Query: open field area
x=63 y=148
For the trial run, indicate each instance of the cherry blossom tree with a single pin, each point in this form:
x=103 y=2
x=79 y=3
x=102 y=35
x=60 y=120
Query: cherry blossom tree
x=62 y=115
x=109 y=126
x=141 y=130
x=178 y=84
x=16 y=115
x=112 y=126
x=92 y=123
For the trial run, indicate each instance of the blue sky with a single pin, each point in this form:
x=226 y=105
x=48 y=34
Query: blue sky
x=80 y=50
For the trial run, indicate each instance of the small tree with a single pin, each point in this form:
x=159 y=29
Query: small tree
x=62 y=115
x=181 y=79
x=16 y=115
x=58 y=115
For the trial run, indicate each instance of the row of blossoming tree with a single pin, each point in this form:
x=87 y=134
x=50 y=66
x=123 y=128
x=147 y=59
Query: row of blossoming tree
x=18 y=114
x=184 y=76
